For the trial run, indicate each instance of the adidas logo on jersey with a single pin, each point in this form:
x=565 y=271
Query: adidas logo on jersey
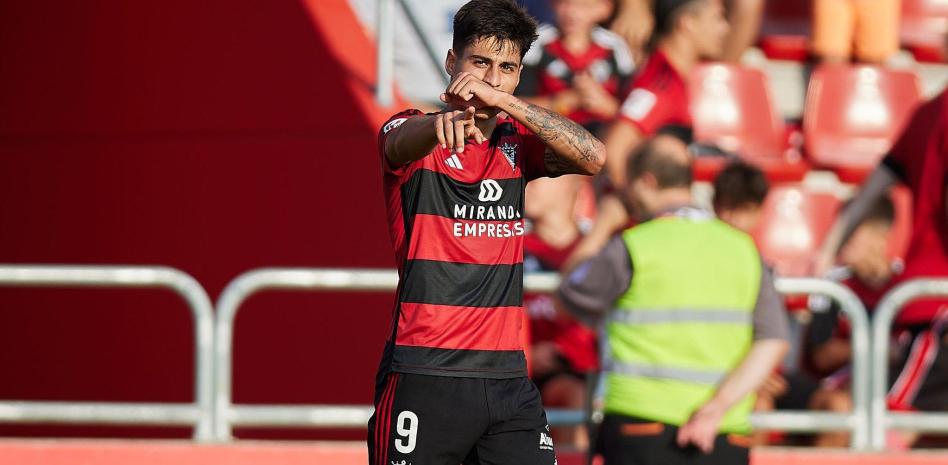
x=454 y=162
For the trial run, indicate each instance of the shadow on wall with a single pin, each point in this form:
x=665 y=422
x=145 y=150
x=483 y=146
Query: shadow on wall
x=214 y=137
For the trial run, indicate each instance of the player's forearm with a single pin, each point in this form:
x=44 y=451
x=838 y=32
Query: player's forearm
x=758 y=364
x=411 y=141
x=572 y=148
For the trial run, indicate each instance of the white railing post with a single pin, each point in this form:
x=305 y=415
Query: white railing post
x=884 y=315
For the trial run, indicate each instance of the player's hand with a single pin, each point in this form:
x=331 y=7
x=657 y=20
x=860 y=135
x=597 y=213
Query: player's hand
x=702 y=428
x=454 y=127
x=467 y=89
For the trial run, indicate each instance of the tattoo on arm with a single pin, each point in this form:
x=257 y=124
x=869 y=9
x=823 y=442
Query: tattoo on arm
x=552 y=127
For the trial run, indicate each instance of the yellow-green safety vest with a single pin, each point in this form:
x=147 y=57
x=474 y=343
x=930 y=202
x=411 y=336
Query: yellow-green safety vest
x=685 y=321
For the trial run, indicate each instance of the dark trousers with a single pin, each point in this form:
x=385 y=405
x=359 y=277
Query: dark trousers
x=632 y=441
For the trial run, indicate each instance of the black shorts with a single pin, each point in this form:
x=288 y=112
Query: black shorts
x=632 y=441
x=440 y=420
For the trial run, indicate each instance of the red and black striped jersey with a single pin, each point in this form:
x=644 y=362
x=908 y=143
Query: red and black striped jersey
x=456 y=222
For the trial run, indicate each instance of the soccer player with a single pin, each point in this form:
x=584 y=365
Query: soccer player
x=452 y=385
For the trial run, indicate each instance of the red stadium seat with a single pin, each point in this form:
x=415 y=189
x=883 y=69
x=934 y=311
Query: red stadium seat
x=792 y=228
x=732 y=108
x=924 y=25
x=853 y=114
x=785 y=30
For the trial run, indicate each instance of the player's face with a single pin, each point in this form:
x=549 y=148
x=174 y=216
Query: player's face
x=495 y=62
x=710 y=28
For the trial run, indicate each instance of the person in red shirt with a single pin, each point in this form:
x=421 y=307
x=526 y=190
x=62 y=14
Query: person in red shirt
x=578 y=68
x=919 y=159
x=686 y=31
x=452 y=384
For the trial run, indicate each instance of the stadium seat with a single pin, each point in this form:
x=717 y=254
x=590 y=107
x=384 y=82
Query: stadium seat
x=792 y=228
x=924 y=25
x=853 y=114
x=732 y=109
x=785 y=30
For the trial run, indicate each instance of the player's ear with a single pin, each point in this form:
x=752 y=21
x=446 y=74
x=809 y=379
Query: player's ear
x=450 y=62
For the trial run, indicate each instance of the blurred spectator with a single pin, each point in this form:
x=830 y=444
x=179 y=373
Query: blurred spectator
x=678 y=388
x=634 y=21
x=865 y=269
x=577 y=68
x=686 y=31
x=919 y=159
x=739 y=193
x=864 y=30
x=563 y=352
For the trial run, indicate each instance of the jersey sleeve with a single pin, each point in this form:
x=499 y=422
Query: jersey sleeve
x=395 y=121
x=645 y=109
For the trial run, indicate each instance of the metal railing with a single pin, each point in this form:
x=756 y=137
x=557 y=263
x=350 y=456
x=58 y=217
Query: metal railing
x=228 y=415
x=884 y=315
x=856 y=421
x=199 y=414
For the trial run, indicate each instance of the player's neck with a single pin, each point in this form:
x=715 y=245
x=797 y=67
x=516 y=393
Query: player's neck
x=487 y=125
x=680 y=54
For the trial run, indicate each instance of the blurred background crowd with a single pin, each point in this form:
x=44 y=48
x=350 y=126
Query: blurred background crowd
x=787 y=108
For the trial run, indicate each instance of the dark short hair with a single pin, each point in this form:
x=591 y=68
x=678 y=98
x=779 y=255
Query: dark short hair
x=668 y=168
x=739 y=184
x=502 y=20
x=666 y=12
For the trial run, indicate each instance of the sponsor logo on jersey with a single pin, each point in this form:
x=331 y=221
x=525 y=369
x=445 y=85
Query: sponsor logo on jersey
x=454 y=162
x=510 y=152
x=393 y=124
x=490 y=191
x=500 y=221
x=546 y=442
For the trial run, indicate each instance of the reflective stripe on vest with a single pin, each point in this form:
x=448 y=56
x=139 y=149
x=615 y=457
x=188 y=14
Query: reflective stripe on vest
x=667 y=372
x=673 y=315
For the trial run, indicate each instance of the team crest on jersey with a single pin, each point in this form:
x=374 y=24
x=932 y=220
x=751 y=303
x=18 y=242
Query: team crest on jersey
x=510 y=152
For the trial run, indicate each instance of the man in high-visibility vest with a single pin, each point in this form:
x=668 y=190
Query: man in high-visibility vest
x=694 y=323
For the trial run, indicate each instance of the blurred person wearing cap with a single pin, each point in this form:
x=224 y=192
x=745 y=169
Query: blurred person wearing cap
x=576 y=67
x=694 y=323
